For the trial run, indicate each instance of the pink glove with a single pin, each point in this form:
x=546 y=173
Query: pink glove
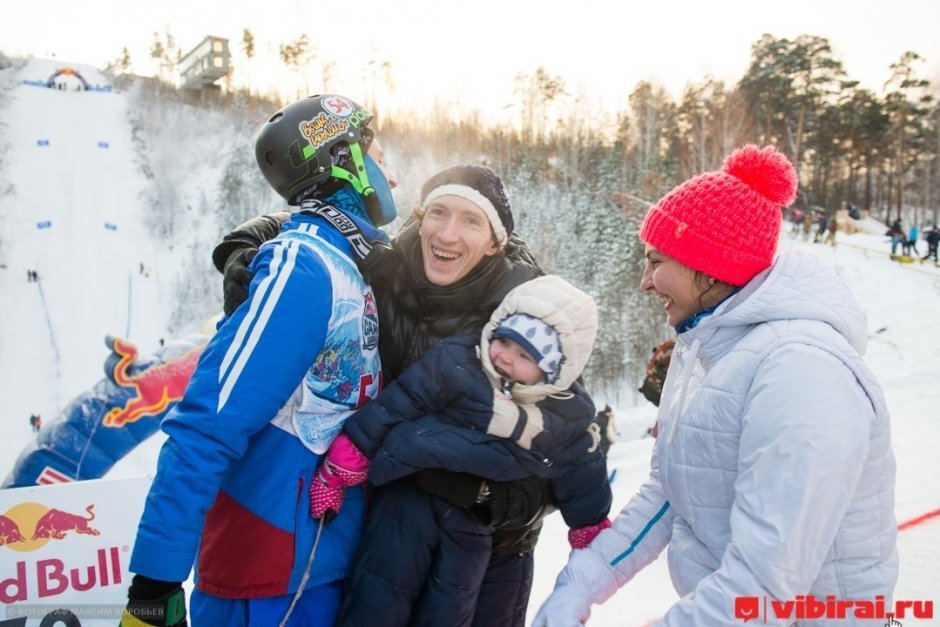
x=343 y=466
x=582 y=536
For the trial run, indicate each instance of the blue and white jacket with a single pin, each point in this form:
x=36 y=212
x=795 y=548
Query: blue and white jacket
x=773 y=473
x=271 y=390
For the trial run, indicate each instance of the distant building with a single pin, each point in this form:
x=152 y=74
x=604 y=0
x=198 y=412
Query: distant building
x=205 y=64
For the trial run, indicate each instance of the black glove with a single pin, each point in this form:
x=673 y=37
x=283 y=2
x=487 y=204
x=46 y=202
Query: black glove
x=155 y=603
x=517 y=504
x=459 y=488
x=517 y=541
x=236 y=278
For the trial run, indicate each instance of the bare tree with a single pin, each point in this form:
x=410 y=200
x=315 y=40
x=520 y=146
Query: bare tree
x=157 y=53
x=376 y=74
x=907 y=106
x=248 y=49
x=654 y=121
x=121 y=65
x=166 y=55
x=538 y=91
x=297 y=55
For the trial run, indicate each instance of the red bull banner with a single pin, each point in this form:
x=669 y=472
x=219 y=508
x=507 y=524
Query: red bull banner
x=64 y=551
x=101 y=425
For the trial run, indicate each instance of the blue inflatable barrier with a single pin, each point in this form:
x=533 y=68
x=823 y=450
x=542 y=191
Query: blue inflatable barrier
x=102 y=425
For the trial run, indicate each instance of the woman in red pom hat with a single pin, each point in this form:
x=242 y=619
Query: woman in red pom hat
x=773 y=474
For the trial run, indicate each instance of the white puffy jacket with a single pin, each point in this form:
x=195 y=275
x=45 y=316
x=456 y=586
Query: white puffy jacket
x=773 y=473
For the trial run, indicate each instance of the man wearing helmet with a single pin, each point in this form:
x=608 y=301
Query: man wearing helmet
x=269 y=396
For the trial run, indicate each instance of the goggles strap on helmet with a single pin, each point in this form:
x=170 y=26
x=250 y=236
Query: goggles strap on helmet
x=360 y=183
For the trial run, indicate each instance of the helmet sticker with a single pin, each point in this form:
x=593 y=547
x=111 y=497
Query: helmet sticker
x=338 y=106
x=321 y=130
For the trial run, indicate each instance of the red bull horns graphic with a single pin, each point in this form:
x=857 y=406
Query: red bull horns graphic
x=153 y=389
x=45 y=524
x=9 y=531
x=55 y=523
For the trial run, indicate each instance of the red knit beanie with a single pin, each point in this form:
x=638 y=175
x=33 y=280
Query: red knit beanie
x=726 y=224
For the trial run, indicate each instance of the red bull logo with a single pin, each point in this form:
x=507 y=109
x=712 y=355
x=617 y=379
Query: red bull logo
x=153 y=389
x=9 y=531
x=67 y=542
x=29 y=526
x=55 y=523
x=52 y=576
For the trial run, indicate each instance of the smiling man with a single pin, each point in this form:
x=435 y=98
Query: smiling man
x=464 y=217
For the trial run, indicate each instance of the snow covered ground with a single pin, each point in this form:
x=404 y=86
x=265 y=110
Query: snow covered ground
x=84 y=179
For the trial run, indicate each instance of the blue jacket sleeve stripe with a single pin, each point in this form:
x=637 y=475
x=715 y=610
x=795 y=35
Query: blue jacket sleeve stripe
x=642 y=534
x=253 y=305
x=241 y=348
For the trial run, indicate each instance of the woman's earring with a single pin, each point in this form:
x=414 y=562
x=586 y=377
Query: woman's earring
x=711 y=281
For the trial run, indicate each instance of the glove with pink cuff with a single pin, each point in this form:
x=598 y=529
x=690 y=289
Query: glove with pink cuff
x=343 y=466
x=582 y=536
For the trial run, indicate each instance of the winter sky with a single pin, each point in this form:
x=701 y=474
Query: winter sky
x=467 y=54
x=51 y=332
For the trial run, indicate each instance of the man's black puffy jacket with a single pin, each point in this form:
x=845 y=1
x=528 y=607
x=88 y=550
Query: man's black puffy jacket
x=413 y=315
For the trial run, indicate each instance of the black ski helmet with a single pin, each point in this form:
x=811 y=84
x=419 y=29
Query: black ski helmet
x=315 y=142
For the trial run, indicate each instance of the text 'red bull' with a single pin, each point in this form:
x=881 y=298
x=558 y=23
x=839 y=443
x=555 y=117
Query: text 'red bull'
x=153 y=388
x=808 y=607
x=53 y=576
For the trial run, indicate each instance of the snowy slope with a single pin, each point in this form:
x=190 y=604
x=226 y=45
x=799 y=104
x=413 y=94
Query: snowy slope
x=73 y=216
x=51 y=333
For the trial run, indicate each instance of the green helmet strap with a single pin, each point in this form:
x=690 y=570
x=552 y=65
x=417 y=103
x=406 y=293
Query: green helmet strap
x=361 y=182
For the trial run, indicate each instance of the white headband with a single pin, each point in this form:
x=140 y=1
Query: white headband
x=474 y=196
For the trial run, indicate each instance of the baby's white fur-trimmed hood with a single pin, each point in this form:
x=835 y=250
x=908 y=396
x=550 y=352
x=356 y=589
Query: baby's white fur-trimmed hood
x=570 y=311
